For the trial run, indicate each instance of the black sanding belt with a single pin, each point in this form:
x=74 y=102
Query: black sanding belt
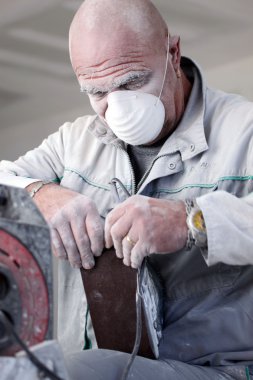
x=110 y=289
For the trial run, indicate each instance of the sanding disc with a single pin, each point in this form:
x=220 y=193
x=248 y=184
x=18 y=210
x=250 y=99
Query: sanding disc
x=23 y=294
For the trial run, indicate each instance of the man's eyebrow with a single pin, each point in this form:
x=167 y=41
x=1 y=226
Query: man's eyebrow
x=138 y=77
x=92 y=90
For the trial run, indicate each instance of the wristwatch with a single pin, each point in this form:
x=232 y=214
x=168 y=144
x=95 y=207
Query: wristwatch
x=196 y=226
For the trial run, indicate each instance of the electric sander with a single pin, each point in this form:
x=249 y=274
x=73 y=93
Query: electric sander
x=26 y=293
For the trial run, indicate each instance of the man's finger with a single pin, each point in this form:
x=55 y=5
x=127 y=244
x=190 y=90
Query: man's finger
x=118 y=232
x=83 y=243
x=126 y=248
x=70 y=246
x=95 y=232
x=110 y=220
x=138 y=253
x=58 y=247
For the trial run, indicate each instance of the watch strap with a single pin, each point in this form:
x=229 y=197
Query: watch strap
x=196 y=225
x=189 y=205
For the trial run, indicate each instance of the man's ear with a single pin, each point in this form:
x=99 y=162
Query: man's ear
x=175 y=51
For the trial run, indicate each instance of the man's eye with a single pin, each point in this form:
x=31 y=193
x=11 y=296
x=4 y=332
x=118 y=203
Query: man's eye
x=99 y=94
x=133 y=85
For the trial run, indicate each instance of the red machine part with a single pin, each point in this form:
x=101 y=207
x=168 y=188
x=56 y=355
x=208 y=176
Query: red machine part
x=31 y=287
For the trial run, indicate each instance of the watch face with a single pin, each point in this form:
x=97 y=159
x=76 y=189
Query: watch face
x=198 y=221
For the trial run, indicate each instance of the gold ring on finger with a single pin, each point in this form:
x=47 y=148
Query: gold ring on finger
x=132 y=242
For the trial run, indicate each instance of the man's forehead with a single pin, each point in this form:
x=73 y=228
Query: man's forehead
x=107 y=64
x=95 y=47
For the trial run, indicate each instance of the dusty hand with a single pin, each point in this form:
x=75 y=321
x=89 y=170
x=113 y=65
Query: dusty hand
x=142 y=225
x=76 y=227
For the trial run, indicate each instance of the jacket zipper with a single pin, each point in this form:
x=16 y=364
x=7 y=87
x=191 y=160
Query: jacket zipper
x=148 y=171
x=133 y=180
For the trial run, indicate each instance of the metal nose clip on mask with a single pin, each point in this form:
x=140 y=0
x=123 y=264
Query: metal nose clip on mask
x=135 y=117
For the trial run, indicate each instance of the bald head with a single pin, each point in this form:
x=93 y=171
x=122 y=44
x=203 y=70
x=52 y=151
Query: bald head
x=140 y=16
x=115 y=20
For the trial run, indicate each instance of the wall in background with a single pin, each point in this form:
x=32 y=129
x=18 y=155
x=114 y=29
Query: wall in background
x=38 y=90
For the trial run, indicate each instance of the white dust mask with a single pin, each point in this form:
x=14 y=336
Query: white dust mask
x=136 y=117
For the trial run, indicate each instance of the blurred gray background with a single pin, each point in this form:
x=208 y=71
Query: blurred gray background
x=38 y=90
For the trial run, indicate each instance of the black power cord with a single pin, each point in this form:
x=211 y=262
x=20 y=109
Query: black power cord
x=138 y=330
x=11 y=330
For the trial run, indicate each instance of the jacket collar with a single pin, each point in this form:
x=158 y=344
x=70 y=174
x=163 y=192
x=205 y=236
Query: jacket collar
x=189 y=136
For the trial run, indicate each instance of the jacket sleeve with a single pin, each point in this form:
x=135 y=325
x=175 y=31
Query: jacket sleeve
x=229 y=217
x=229 y=224
x=43 y=163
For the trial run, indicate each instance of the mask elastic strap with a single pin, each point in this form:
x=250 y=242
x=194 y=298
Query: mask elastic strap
x=165 y=72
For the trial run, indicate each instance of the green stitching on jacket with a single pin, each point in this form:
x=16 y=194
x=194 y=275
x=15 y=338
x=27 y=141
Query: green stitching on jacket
x=98 y=185
x=168 y=191
x=236 y=178
x=205 y=185
x=57 y=180
x=54 y=180
x=104 y=187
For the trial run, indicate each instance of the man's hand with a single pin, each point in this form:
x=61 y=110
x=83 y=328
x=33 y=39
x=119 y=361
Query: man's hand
x=76 y=227
x=142 y=225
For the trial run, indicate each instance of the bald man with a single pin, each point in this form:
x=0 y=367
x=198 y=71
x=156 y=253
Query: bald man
x=183 y=152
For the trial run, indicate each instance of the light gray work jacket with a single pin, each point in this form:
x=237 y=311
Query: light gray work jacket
x=208 y=295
